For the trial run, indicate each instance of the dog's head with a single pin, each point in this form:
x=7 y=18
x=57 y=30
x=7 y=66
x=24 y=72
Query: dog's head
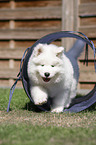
x=48 y=62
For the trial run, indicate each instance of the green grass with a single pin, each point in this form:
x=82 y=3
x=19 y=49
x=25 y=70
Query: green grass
x=23 y=127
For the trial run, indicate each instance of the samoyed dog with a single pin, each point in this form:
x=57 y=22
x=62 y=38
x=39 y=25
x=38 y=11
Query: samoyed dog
x=54 y=73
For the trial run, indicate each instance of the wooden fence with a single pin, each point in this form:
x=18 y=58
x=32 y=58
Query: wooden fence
x=22 y=22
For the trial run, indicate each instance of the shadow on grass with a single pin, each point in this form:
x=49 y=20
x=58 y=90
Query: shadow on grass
x=31 y=107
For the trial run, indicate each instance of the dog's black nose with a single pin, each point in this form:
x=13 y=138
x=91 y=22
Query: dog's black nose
x=47 y=74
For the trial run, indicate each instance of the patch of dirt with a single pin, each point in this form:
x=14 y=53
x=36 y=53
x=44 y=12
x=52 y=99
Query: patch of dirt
x=49 y=119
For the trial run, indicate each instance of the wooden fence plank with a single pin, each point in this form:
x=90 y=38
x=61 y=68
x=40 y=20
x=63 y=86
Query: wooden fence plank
x=11 y=73
x=31 y=13
x=87 y=1
x=39 y=3
x=4 y=24
x=42 y=24
x=4 y=4
x=87 y=77
x=24 y=34
x=5 y=63
x=87 y=9
x=4 y=44
x=4 y=83
x=88 y=21
x=87 y=73
x=89 y=31
x=89 y=85
x=11 y=53
x=4 y=0
x=90 y=68
x=24 y=43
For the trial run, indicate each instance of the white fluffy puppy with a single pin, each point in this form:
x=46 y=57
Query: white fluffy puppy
x=51 y=74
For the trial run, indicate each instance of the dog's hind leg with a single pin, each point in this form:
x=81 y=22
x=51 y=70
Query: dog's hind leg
x=73 y=90
x=72 y=93
x=59 y=102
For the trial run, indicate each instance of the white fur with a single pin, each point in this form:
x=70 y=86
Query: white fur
x=60 y=85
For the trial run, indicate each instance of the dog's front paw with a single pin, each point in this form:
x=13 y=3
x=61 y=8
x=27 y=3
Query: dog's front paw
x=40 y=100
x=39 y=95
x=57 y=110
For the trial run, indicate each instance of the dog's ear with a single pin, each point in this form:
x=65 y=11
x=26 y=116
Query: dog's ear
x=60 y=51
x=38 y=49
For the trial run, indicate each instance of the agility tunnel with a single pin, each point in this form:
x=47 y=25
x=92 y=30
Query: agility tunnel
x=77 y=104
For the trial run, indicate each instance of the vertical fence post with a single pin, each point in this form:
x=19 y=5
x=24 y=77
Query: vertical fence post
x=69 y=19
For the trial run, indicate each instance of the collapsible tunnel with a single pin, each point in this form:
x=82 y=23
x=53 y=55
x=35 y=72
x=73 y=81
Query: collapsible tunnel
x=78 y=104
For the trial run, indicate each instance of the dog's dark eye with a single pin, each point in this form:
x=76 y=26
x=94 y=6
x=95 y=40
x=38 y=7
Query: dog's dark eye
x=52 y=65
x=42 y=65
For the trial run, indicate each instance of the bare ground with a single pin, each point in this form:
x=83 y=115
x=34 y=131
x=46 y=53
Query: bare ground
x=85 y=119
